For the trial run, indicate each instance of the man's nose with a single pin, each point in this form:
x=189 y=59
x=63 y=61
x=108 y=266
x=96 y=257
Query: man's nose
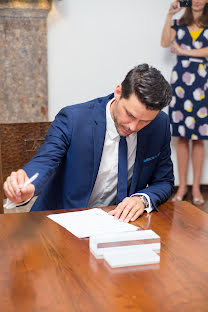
x=135 y=126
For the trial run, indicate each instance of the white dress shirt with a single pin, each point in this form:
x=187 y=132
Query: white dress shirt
x=105 y=188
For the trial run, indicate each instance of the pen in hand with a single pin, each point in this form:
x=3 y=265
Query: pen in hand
x=29 y=181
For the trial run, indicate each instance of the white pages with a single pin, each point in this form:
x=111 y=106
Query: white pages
x=90 y=222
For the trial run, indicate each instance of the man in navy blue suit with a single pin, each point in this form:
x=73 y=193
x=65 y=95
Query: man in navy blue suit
x=78 y=162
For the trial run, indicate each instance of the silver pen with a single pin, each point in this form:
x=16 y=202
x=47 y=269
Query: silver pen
x=29 y=181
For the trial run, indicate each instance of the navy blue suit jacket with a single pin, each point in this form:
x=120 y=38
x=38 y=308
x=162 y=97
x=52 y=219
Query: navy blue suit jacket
x=69 y=159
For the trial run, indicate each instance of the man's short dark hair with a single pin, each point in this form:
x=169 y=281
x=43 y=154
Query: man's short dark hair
x=149 y=85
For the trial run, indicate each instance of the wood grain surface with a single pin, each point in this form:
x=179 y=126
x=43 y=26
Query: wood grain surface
x=43 y=267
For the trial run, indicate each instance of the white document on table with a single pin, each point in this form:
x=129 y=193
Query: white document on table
x=90 y=222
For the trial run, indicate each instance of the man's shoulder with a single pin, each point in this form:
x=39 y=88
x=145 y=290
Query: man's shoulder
x=162 y=116
x=161 y=119
x=158 y=125
x=102 y=101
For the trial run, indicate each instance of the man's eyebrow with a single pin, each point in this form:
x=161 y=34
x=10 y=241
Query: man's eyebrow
x=129 y=113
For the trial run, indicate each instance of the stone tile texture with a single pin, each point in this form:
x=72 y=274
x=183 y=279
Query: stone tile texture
x=23 y=61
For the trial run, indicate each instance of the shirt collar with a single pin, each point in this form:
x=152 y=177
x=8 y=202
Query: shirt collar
x=110 y=125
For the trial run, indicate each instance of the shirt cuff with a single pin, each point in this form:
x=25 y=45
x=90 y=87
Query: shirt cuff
x=9 y=204
x=149 y=208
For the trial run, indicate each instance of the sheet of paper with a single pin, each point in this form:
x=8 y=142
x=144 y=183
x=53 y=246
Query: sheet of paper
x=90 y=222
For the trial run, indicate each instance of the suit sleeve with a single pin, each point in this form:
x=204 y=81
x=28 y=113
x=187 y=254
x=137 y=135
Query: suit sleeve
x=52 y=151
x=161 y=184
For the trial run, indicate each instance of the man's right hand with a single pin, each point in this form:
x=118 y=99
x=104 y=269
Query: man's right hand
x=13 y=187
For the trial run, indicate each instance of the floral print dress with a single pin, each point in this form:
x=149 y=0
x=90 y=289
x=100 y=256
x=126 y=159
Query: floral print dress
x=188 y=110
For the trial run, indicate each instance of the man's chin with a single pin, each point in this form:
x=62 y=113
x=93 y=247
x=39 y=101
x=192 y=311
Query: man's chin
x=124 y=133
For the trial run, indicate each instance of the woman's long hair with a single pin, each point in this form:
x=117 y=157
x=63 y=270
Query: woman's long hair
x=187 y=18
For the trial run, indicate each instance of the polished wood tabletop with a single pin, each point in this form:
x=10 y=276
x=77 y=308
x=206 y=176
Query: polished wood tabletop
x=43 y=267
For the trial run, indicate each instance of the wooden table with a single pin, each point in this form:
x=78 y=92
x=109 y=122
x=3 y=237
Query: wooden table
x=43 y=267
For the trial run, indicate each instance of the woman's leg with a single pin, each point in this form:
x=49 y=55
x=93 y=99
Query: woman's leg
x=197 y=161
x=182 y=161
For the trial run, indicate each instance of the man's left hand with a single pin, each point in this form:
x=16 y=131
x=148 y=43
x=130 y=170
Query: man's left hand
x=129 y=209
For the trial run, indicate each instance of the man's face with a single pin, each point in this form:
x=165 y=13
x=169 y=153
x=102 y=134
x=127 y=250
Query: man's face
x=130 y=115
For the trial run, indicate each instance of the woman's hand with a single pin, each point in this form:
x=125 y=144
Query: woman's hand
x=176 y=49
x=174 y=8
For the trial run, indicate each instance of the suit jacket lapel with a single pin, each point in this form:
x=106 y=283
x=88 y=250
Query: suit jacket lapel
x=99 y=129
x=98 y=142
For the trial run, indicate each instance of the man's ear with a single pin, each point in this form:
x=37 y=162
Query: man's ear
x=117 y=92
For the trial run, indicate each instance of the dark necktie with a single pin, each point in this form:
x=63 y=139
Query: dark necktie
x=122 y=170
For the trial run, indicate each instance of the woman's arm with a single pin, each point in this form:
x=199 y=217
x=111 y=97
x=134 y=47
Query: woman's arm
x=176 y=49
x=168 y=34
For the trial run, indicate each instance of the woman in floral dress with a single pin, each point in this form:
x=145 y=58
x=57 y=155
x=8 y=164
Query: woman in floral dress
x=188 y=111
